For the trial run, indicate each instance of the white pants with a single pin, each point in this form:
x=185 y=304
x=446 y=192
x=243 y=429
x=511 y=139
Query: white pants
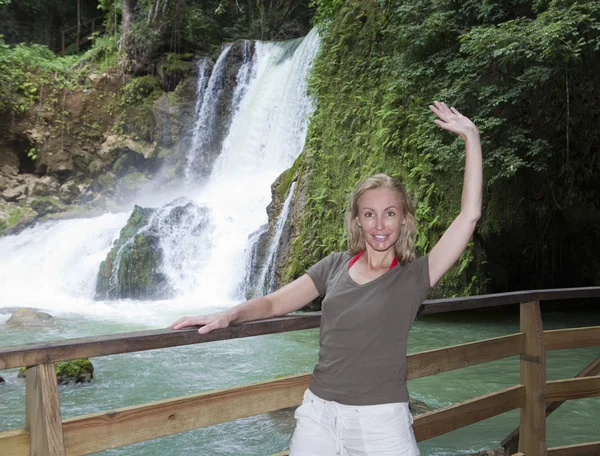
x=327 y=428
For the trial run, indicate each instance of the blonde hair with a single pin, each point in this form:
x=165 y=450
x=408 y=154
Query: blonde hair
x=404 y=248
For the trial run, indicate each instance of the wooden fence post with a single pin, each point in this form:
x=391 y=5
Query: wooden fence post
x=532 y=427
x=42 y=411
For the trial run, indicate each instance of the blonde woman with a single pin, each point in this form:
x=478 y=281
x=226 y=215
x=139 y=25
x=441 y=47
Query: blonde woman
x=357 y=402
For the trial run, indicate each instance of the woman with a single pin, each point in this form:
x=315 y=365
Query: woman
x=357 y=402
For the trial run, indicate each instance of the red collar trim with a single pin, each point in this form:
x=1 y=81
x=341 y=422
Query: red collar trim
x=356 y=257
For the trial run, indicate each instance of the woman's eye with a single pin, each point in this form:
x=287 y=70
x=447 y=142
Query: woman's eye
x=368 y=214
x=391 y=214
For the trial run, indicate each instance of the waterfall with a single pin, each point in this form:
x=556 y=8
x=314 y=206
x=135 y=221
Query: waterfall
x=266 y=278
x=206 y=233
x=203 y=136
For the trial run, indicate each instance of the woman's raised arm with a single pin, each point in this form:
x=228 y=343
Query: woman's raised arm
x=291 y=297
x=456 y=238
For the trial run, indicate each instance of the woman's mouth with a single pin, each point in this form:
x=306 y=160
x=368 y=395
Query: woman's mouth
x=381 y=238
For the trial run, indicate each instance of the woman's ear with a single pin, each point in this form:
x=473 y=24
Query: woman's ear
x=357 y=222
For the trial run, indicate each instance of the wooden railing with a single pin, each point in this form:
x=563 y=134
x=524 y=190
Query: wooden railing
x=46 y=433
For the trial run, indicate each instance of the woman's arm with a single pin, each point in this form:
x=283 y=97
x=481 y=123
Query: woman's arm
x=456 y=238
x=291 y=297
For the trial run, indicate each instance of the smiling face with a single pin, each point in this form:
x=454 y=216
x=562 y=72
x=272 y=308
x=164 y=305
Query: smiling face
x=380 y=216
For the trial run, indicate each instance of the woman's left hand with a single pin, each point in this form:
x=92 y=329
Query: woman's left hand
x=452 y=120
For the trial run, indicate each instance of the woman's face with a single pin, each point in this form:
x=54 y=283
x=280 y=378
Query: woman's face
x=380 y=217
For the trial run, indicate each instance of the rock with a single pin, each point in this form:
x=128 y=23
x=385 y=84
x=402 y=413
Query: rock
x=29 y=318
x=11 y=194
x=47 y=205
x=44 y=186
x=6 y=182
x=69 y=372
x=2 y=380
x=15 y=217
x=8 y=170
x=418 y=407
x=68 y=192
x=132 y=267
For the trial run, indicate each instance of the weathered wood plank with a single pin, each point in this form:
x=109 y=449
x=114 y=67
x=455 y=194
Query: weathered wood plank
x=33 y=354
x=582 y=449
x=532 y=425
x=101 y=431
x=559 y=339
x=14 y=443
x=572 y=388
x=511 y=441
x=448 y=358
x=42 y=411
x=499 y=299
x=441 y=421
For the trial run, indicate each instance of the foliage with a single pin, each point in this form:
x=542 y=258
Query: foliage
x=27 y=67
x=522 y=70
x=102 y=56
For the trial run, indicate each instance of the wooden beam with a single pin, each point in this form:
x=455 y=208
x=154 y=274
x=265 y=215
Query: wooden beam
x=583 y=449
x=14 y=443
x=40 y=353
x=532 y=425
x=441 y=421
x=116 y=428
x=87 y=347
x=559 y=339
x=42 y=411
x=511 y=441
x=448 y=358
x=572 y=388
x=500 y=299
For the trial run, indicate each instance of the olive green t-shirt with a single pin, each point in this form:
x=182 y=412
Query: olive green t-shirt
x=364 y=329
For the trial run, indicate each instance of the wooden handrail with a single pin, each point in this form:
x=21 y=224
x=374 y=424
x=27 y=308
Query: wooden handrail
x=501 y=299
x=40 y=353
x=86 y=347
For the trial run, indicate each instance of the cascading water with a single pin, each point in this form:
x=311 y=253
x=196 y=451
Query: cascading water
x=266 y=278
x=205 y=251
x=203 y=137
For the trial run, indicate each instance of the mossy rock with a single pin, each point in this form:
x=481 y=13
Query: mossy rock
x=15 y=217
x=132 y=269
x=69 y=372
x=47 y=205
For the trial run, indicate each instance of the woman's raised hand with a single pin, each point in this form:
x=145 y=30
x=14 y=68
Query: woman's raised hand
x=209 y=322
x=452 y=120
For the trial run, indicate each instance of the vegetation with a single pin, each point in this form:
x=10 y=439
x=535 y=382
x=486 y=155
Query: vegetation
x=524 y=71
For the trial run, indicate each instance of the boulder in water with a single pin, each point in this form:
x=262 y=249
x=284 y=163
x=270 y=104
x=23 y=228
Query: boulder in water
x=132 y=269
x=2 y=380
x=27 y=318
x=68 y=372
x=418 y=407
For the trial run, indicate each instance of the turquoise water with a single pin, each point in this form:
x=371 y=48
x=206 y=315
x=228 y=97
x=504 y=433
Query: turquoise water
x=130 y=379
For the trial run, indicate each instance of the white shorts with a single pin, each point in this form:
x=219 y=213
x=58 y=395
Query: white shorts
x=327 y=428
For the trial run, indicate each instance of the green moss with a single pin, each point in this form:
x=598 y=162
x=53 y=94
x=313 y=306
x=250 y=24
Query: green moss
x=17 y=215
x=137 y=98
x=47 y=205
x=75 y=371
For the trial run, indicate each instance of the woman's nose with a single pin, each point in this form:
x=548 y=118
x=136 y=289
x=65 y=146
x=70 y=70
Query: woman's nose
x=379 y=223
